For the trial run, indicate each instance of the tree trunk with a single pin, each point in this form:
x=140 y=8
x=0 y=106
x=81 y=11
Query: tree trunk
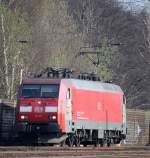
x=5 y=48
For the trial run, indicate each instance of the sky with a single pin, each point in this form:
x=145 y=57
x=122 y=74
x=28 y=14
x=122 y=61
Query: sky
x=136 y=5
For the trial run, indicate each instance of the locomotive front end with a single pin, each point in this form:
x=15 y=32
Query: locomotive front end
x=37 y=107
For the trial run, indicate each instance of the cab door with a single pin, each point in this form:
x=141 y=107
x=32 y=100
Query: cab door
x=124 y=115
x=68 y=115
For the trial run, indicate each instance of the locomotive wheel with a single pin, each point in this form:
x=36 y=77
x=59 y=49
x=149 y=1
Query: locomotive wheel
x=116 y=141
x=77 y=141
x=84 y=144
x=101 y=142
x=62 y=144
x=70 y=141
x=49 y=144
x=96 y=143
x=108 y=142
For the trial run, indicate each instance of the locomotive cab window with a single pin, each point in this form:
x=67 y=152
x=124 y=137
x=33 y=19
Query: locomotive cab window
x=31 y=91
x=40 y=91
x=68 y=93
x=124 y=99
x=49 y=91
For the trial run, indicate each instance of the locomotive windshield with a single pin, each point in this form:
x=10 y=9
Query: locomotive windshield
x=40 y=91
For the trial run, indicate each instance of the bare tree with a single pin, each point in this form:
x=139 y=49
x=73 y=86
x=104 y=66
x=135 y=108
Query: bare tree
x=146 y=21
x=13 y=28
x=5 y=49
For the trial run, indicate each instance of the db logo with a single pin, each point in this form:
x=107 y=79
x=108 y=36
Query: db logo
x=99 y=106
x=38 y=109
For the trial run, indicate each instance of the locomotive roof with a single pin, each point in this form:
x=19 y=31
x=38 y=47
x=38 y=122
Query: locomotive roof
x=94 y=85
x=41 y=81
x=78 y=84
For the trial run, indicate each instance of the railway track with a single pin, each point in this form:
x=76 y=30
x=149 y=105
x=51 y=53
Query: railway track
x=89 y=152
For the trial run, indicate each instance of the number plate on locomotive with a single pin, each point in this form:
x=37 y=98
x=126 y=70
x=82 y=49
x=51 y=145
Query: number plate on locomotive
x=38 y=109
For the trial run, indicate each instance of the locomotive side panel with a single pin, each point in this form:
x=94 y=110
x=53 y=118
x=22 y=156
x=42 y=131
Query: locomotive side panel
x=97 y=111
x=103 y=109
x=88 y=105
x=113 y=107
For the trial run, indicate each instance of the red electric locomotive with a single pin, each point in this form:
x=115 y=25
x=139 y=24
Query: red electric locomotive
x=74 y=111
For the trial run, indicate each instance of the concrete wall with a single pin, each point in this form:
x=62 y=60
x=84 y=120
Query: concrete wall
x=7 y=120
x=138 y=127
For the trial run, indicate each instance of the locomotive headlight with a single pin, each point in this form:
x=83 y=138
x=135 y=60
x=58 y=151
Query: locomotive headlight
x=53 y=117
x=24 y=117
